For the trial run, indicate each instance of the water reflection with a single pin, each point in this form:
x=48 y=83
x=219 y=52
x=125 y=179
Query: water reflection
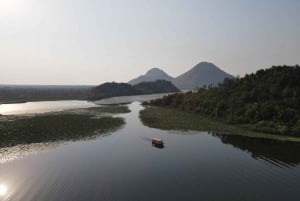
x=275 y=152
x=130 y=99
x=42 y=107
x=158 y=146
x=16 y=152
x=8 y=154
x=124 y=166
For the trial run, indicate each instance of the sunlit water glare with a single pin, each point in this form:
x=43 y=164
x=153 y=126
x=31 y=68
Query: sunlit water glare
x=125 y=166
x=3 y=190
x=42 y=107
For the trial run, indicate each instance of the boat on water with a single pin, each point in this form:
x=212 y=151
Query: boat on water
x=158 y=142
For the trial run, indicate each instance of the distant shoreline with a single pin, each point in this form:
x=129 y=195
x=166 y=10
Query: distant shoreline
x=11 y=101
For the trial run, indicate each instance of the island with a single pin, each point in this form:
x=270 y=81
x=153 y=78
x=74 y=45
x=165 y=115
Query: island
x=112 y=89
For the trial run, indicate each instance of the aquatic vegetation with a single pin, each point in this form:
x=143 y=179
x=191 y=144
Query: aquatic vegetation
x=59 y=126
x=111 y=109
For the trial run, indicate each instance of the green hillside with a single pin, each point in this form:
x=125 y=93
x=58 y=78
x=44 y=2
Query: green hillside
x=267 y=101
x=112 y=89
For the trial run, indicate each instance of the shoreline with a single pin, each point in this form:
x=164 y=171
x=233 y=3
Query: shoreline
x=172 y=119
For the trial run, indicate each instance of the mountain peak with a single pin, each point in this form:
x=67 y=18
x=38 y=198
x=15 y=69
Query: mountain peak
x=206 y=68
x=154 y=69
x=152 y=75
x=155 y=72
x=204 y=73
x=205 y=64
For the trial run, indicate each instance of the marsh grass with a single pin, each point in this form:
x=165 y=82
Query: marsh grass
x=171 y=119
x=60 y=126
x=115 y=109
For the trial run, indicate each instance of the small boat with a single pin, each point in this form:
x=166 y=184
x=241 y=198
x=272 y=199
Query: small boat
x=157 y=142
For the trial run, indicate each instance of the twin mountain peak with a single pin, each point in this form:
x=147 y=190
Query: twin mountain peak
x=204 y=73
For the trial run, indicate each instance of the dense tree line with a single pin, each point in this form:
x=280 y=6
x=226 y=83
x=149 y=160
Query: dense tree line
x=112 y=89
x=159 y=86
x=268 y=100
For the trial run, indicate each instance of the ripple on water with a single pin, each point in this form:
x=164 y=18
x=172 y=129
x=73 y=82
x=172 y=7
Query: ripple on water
x=19 y=151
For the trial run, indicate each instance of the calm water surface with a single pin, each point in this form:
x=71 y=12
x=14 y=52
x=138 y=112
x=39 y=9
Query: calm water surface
x=130 y=99
x=42 y=106
x=125 y=166
x=53 y=106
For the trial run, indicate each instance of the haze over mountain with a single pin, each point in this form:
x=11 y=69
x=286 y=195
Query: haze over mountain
x=64 y=42
x=204 y=73
x=152 y=75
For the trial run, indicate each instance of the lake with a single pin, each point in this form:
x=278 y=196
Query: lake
x=54 y=106
x=123 y=165
x=42 y=107
x=130 y=99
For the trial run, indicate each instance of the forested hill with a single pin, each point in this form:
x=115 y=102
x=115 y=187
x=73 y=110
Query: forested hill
x=268 y=100
x=159 y=86
x=112 y=89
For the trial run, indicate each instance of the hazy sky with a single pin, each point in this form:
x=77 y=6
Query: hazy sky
x=93 y=41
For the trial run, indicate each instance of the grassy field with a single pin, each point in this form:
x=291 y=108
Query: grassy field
x=57 y=126
x=170 y=119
